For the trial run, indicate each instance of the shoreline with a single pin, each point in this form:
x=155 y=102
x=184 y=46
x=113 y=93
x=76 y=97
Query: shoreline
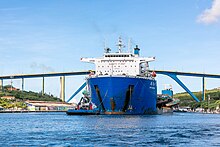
x=27 y=111
x=46 y=111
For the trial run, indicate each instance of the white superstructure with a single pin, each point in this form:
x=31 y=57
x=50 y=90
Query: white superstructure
x=119 y=63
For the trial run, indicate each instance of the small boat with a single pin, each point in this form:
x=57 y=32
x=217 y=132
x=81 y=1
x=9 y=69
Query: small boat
x=84 y=107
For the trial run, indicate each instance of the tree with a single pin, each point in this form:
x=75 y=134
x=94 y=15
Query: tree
x=212 y=106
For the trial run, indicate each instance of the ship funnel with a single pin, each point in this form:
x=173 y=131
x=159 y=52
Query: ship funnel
x=136 y=50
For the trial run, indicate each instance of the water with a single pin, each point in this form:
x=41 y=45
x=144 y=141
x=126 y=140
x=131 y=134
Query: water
x=58 y=129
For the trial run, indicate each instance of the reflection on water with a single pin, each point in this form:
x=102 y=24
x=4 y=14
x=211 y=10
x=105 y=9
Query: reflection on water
x=58 y=129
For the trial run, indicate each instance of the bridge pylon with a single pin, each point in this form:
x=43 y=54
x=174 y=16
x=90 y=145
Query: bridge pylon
x=62 y=88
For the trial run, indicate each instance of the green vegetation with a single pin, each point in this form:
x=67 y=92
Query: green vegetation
x=212 y=103
x=21 y=96
x=7 y=104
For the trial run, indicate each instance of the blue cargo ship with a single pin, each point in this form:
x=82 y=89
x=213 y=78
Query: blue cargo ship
x=122 y=83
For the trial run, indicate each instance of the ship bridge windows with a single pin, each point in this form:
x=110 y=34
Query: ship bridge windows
x=117 y=56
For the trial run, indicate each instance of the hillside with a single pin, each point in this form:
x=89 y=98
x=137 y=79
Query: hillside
x=187 y=100
x=27 y=95
x=12 y=97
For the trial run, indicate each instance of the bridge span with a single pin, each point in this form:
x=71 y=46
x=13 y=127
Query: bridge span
x=53 y=74
x=171 y=74
x=174 y=74
x=192 y=74
x=43 y=75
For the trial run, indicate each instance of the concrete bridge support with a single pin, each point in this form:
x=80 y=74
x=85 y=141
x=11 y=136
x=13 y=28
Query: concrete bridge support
x=2 y=85
x=43 y=86
x=203 y=88
x=22 y=84
x=62 y=87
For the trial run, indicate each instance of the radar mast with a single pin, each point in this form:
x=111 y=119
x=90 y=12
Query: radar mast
x=120 y=45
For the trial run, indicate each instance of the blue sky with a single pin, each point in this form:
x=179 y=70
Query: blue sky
x=52 y=35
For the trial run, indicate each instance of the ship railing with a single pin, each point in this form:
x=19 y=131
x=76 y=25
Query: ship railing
x=130 y=76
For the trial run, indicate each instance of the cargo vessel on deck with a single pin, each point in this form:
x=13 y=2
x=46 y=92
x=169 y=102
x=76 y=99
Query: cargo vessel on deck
x=122 y=83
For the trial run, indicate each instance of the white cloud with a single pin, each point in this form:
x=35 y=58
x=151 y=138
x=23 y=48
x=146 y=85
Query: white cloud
x=43 y=67
x=211 y=15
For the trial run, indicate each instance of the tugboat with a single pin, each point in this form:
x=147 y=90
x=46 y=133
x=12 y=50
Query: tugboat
x=84 y=107
x=122 y=83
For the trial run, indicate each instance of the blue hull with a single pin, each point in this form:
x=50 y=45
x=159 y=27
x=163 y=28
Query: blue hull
x=123 y=95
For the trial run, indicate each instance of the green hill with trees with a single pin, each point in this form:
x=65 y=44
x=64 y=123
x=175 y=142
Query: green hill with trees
x=19 y=97
x=212 y=103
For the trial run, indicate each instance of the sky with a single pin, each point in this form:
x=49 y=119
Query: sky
x=41 y=36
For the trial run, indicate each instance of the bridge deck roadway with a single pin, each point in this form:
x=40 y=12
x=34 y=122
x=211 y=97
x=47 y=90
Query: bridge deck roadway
x=54 y=74
x=20 y=76
x=187 y=73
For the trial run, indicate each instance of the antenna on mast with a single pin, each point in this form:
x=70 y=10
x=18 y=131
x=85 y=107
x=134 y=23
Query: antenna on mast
x=120 y=45
x=129 y=45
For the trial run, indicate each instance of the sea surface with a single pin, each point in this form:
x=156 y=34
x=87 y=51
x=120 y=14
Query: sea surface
x=59 y=129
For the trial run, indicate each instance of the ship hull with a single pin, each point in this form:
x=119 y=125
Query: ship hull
x=123 y=95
